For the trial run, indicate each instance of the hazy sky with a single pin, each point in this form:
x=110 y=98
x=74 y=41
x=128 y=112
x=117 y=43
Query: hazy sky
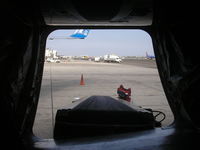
x=103 y=41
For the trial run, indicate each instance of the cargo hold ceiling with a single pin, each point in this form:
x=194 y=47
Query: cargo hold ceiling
x=97 y=13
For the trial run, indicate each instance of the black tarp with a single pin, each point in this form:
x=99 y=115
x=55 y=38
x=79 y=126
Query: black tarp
x=101 y=115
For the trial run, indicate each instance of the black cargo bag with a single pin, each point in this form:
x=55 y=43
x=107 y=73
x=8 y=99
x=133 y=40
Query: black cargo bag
x=100 y=115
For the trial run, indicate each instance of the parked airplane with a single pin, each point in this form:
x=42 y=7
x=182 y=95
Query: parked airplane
x=78 y=34
x=149 y=56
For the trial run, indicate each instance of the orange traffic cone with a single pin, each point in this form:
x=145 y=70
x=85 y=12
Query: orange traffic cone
x=82 y=81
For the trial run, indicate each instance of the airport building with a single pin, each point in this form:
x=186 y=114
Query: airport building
x=50 y=53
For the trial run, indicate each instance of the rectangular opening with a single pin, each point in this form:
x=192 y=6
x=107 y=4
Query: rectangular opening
x=82 y=63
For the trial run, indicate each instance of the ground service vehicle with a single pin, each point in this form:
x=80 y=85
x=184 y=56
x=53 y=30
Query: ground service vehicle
x=112 y=58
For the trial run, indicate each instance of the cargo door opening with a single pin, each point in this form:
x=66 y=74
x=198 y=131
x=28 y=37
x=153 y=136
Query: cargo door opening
x=83 y=63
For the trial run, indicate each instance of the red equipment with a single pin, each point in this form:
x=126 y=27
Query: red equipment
x=124 y=93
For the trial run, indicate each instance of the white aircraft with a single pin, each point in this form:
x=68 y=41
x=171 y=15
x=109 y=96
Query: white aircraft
x=78 y=34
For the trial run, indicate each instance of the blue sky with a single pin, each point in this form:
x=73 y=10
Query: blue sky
x=99 y=42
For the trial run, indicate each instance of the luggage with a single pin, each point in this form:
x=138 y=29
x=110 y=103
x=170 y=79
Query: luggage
x=124 y=93
x=100 y=115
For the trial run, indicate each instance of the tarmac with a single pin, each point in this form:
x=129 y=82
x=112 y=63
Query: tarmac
x=61 y=88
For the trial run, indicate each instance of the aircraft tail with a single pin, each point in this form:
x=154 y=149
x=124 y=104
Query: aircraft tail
x=149 y=56
x=80 y=34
